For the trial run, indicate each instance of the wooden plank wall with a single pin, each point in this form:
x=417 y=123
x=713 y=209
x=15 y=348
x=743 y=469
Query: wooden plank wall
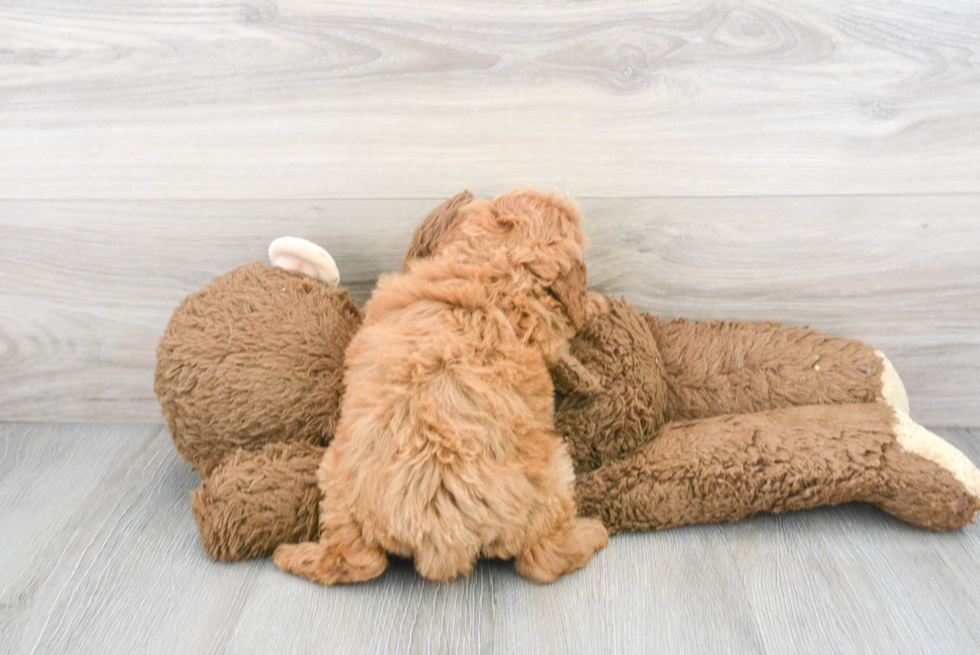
x=813 y=162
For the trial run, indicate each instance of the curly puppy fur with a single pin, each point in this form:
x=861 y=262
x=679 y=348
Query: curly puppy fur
x=428 y=235
x=446 y=447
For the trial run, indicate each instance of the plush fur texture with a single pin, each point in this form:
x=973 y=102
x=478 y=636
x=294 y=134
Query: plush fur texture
x=668 y=423
x=255 y=500
x=688 y=471
x=254 y=357
x=703 y=471
x=611 y=391
x=729 y=467
x=446 y=448
x=739 y=367
x=630 y=373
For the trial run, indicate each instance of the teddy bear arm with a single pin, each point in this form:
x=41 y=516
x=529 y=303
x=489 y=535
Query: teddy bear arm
x=729 y=467
x=255 y=501
x=731 y=367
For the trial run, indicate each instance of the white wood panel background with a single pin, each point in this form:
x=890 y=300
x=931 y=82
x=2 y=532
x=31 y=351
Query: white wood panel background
x=803 y=161
x=404 y=99
x=87 y=287
x=99 y=554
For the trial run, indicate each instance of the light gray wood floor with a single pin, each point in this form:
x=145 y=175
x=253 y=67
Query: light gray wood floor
x=100 y=554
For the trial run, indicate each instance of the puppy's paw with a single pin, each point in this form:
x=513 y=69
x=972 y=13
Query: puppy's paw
x=331 y=564
x=564 y=551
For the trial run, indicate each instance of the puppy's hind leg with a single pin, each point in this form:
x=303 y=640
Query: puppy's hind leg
x=559 y=542
x=564 y=550
x=335 y=560
x=342 y=554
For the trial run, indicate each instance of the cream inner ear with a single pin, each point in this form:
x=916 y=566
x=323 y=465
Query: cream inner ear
x=295 y=254
x=916 y=439
x=892 y=389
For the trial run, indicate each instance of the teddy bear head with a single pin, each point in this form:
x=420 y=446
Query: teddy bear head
x=256 y=356
x=611 y=397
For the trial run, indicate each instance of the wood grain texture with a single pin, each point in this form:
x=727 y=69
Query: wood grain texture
x=302 y=99
x=101 y=555
x=87 y=288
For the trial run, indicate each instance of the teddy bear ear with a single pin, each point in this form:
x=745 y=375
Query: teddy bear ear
x=572 y=378
x=295 y=254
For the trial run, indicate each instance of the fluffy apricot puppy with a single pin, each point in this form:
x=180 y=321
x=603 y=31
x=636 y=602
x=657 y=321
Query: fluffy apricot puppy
x=446 y=448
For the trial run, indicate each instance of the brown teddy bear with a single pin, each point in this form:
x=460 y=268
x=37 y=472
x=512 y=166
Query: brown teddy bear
x=255 y=357
x=668 y=423
x=740 y=418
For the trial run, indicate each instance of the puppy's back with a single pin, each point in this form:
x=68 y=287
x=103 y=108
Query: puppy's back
x=440 y=412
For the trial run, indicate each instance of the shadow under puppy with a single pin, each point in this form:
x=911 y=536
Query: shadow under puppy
x=446 y=448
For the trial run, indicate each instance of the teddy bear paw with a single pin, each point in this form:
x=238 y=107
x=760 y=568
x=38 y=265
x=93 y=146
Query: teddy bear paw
x=892 y=389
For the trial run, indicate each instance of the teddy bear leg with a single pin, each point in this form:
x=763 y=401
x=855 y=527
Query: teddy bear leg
x=926 y=481
x=714 y=368
x=343 y=554
x=729 y=467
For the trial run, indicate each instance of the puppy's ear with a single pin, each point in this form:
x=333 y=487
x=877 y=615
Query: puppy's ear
x=570 y=290
x=430 y=233
x=558 y=265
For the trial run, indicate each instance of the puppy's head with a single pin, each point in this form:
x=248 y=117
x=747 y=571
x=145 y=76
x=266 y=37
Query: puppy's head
x=534 y=231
